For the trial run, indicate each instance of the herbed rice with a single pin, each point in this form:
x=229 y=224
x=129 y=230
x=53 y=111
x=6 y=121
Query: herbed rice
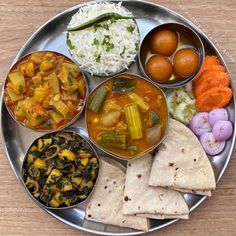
x=107 y=47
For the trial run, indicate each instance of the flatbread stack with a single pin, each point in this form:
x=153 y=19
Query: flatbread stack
x=106 y=202
x=181 y=163
x=147 y=201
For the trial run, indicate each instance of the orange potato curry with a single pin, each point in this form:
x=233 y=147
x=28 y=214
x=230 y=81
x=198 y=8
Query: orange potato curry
x=45 y=91
x=126 y=116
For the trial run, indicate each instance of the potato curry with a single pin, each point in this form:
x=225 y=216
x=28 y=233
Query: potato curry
x=45 y=91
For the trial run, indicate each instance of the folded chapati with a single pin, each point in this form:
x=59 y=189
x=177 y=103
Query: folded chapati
x=106 y=202
x=181 y=163
x=147 y=201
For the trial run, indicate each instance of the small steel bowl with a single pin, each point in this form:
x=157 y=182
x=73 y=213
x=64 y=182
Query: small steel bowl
x=183 y=32
x=104 y=75
x=37 y=129
x=113 y=154
x=82 y=134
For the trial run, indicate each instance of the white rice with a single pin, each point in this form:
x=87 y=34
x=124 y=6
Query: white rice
x=104 y=51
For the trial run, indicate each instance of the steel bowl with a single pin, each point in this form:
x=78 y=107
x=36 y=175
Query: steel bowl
x=184 y=32
x=36 y=129
x=113 y=154
x=80 y=133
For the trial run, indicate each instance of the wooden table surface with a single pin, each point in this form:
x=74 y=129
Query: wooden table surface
x=19 y=215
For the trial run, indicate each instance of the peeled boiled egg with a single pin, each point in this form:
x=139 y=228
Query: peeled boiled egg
x=185 y=62
x=159 y=68
x=164 y=42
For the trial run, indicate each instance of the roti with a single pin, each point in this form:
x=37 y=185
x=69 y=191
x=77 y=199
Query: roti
x=105 y=204
x=148 y=201
x=181 y=163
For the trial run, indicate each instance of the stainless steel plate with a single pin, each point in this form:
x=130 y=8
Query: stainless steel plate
x=52 y=36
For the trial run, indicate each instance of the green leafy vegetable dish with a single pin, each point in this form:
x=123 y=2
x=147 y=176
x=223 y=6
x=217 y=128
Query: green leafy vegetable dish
x=60 y=169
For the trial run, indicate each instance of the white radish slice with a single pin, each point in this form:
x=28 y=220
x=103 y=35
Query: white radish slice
x=222 y=130
x=199 y=123
x=210 y=144
x=217 y=114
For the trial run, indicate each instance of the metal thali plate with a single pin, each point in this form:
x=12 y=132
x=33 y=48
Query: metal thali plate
x=52 y=36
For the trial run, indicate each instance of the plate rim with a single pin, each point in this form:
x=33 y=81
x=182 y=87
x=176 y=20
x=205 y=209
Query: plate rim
x=198 y=31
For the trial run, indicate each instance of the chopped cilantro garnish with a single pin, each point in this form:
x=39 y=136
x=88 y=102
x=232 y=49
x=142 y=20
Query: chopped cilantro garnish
x=106 y=39
x=122 y=53
x=136 y=46
x=98 y=25
x=97 y=57
x=95 y=42
x=107 y=43
x=109 y=46
x=69 y=44
x=81 y=55
x=130 y=28
x=105 y=26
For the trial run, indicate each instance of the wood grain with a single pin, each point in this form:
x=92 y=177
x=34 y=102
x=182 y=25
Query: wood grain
x=18 y=214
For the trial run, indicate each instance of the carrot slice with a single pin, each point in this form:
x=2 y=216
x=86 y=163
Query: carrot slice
x=212 y=67
x=211 y=60
x=215 y=97
x=208 y=69
x=211 y=81
x=210 y=63
x=210 y=74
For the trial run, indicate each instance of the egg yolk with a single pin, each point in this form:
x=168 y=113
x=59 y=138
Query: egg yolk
x=164 y=42
x=185 y=62
x=159 y=68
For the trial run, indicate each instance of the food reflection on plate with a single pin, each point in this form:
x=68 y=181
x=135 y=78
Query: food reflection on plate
x=126 y=116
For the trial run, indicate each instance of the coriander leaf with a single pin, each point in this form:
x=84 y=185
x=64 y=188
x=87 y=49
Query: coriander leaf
x=106 y=39
x=136 y=46
x=97 y=57
x=122 y=53
x=130 y=28
x=109 y=46
x=95 y=42
x=105 y=26
x=81 y=55
x=99 y=25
